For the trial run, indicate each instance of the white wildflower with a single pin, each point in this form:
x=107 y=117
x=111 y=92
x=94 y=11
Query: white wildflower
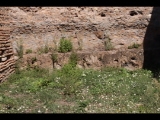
x=158 y=109
x=83 y=74
x=98 y=75
x=39 y=111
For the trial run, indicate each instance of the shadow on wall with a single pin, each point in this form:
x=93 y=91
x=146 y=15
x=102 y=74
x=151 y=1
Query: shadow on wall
x=151 y=43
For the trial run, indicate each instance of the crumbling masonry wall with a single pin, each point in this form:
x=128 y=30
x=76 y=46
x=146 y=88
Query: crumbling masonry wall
x=6 y=50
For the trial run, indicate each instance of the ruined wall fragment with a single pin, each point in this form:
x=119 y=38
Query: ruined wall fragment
x=6 y=51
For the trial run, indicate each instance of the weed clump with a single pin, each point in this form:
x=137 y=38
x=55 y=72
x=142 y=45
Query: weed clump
x=134 y=45
x=44 y=49
x=20 y=49
x=28 y=51
x=65 y=45
x=108 y=45
x=73 y=59
x=54 y=57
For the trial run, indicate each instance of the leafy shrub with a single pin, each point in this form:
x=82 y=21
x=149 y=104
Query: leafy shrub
x=70 y=81
x=68 y=70
x=65 y=45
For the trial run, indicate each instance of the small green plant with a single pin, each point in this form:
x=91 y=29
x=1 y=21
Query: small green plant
x=108 y=45
x=20 y=49
x=17 y=66
x=38 y=84
x=44 y=49
x=54 y=57
x=28 y=51
x=73 y=59
x=82 y=106
x=65 y=45
x=134 y=45
x=34 y=59
x=70 y=76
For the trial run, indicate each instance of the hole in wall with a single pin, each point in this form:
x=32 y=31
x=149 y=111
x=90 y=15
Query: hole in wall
x=116 y=60
x=102 y=14
x=100 y=59
x=133 y=13
x=8 y=57
x=133 y=58
x=2 y=52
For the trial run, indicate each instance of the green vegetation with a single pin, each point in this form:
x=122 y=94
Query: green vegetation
x=65 y=45
x=73 y=90
x=44 y=49
x=73 y=59
x=17 y=66
x=134 y=45
x=54 y=57
x=28 y=51
x=34 y=59
x=20 y=49
x=108 y=45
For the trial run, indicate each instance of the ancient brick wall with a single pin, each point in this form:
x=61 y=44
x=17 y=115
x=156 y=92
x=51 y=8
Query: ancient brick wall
x=6 y=51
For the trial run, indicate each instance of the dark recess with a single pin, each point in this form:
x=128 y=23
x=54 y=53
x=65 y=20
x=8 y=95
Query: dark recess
x=151 y=43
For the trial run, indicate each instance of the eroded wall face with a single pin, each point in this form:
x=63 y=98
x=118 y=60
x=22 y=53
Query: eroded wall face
x=89 y=26
x=6 y=51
